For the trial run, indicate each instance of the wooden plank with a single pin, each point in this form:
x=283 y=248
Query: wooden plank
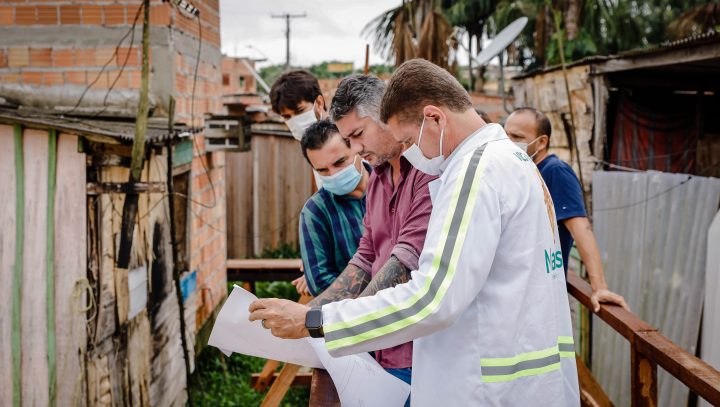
x=622 y=321
x=7 y=261
x=322 y=390
x=685 y=55
x=591 y=393
x=99 y=387
x=138 y=356
x=34 y=313
x=643 y=380
x=70 y=270
x=264 y=264
x=94 y=188
x=280 y=386
x=700 y=377
x=239 y=179
x=302 y=379
x=261 y=381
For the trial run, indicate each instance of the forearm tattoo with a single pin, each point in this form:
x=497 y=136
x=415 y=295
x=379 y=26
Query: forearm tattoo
x=349 y=284
x=390 y=275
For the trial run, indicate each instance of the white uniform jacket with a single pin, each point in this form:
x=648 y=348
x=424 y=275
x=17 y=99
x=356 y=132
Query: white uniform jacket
x=487 y=308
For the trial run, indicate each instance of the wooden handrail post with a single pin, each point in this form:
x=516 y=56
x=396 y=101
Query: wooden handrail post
x=643 y=379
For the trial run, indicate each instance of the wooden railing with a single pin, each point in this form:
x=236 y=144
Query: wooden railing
x=650 y=349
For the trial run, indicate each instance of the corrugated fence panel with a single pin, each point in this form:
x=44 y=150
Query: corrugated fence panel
x=711 y=314
x=652 y=231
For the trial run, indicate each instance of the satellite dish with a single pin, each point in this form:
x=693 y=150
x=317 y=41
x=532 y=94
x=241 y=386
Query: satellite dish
x=501 y=41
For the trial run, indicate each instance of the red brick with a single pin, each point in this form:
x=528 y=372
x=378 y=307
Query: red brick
x=114 y=14
x=103 y=55
x=53 y=78
x=100 y=79
x=31 y=78
x=63 y=57
x=3 y=58
x=6 y=16
x=85 y=57
x=131 y=54
x=70 y=14
x=47 y=15
x=92 y=15
x=120 y=78
x=18 y=57
x=76 y=77
x=26 y=15
x=10 y=78
x=40 y=57
x=160 y=14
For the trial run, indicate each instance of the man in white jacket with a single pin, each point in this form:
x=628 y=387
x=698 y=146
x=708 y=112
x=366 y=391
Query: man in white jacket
x=487 y=308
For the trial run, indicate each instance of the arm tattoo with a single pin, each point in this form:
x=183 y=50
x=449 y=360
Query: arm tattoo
x=349 y=284
x=390 y=275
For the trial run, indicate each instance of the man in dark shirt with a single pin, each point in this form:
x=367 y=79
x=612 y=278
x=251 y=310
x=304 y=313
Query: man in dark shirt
x=531 y=130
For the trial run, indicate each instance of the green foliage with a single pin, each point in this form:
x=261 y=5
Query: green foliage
x=220 y=381
x=225 y=381
x=270 y=73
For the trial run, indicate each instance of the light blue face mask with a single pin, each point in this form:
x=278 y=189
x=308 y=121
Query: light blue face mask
x=344 y=181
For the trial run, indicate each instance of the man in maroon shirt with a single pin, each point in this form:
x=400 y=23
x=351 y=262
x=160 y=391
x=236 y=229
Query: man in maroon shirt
x=398 y=208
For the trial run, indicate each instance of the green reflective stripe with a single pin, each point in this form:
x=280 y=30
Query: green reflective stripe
x=527 y=364
x=398 y=316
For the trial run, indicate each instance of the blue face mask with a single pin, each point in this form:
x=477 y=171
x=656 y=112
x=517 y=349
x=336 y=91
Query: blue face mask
x=344 y=181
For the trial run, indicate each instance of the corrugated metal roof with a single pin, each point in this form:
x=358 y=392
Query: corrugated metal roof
x=694 y=40
x=123 y=129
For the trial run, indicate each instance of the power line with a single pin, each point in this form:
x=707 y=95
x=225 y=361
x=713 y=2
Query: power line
x=287 y=17
x=112 y=57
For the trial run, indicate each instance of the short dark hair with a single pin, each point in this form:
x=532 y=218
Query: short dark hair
x=542 y=122
x=417 y=83
x=317 y=135
x=293 y=87
x=361 y=92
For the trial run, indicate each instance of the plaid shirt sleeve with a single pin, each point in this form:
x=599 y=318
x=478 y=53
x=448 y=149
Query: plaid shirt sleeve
x=316 y=251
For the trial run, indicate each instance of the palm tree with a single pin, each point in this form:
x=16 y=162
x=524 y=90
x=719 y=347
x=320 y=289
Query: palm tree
x=472 y=16
x=415 y=29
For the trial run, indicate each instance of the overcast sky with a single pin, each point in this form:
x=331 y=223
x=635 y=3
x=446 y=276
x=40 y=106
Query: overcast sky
x=331 y=30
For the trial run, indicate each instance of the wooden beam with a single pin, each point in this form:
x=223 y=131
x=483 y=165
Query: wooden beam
x=302 y=379
x=651 y=349
x=622 y=321
x=680 y=55
x=591 y=393
x=250 y=270
x=97 y=188
x=322 y=390
x=643 y=379
x=281 y=385
x=261 y=381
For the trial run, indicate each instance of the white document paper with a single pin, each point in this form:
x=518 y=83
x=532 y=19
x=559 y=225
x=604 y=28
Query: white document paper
x=233 y=332
x=360 y=380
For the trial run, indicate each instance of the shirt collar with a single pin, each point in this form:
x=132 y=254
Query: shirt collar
x=478 y=137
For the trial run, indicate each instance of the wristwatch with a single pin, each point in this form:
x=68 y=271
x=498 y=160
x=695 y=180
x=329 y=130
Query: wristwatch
x=314 y=322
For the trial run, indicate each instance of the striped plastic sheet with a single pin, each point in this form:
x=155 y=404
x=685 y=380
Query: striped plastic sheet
x=652 y=230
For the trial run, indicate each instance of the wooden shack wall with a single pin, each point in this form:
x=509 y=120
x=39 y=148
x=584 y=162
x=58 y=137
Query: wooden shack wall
x=546 y=92
x=135 y=359
x=42 y=234
x=267 y=188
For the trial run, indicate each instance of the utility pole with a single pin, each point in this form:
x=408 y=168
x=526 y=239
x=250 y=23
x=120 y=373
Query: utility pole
x=287 y=17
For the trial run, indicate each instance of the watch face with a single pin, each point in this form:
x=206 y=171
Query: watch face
x=313 y=319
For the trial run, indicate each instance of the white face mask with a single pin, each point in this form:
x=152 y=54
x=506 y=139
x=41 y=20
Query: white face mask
x=524 y=147
x=299 y=123
x=415 y=156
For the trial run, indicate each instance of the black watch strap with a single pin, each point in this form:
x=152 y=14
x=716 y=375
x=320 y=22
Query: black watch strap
x=314 y=322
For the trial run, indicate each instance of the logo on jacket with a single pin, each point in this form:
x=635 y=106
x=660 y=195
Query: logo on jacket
x=553 y=260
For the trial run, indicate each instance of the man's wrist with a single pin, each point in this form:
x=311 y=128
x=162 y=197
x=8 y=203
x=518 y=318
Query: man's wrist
x=314 y=322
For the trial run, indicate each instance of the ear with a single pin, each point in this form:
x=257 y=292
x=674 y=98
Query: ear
x=545 y=142
x=320 y=101
x=436 y=114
